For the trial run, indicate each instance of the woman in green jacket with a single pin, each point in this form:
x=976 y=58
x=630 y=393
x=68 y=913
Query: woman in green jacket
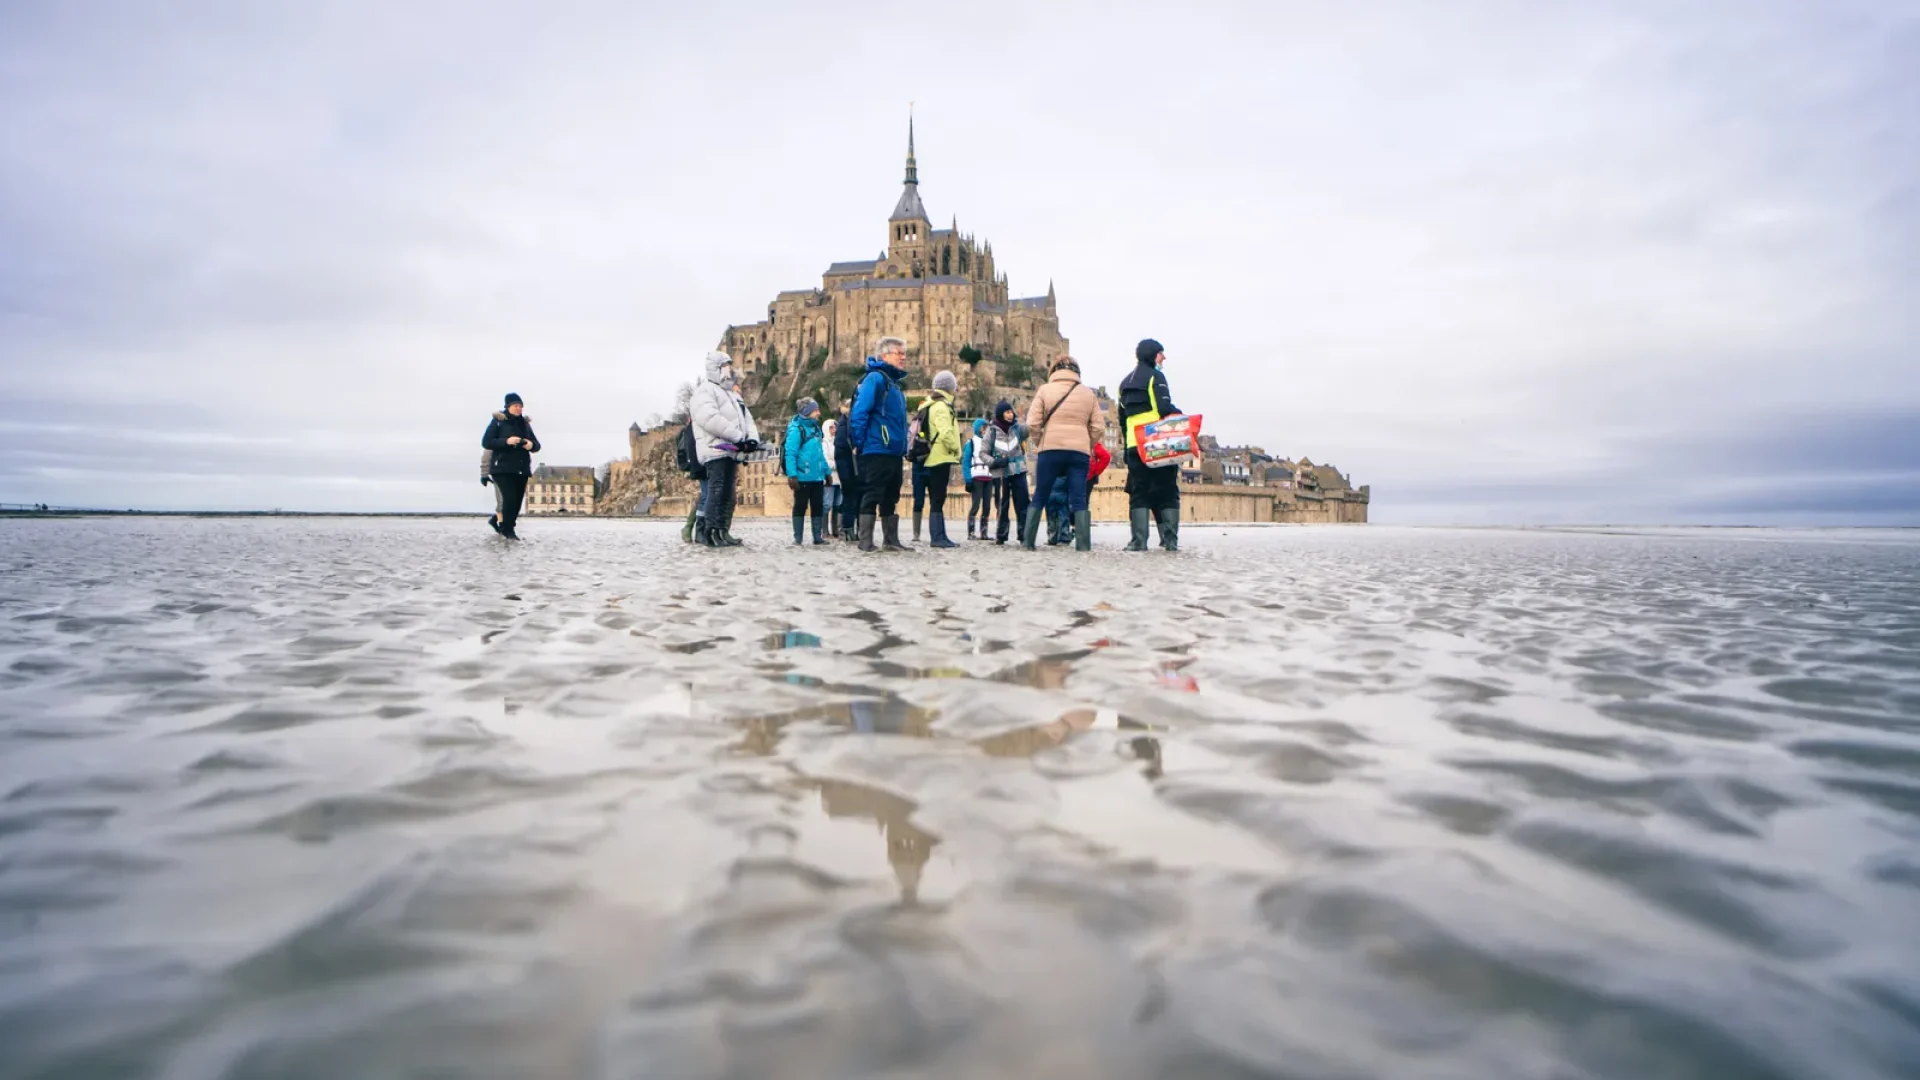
x=943 y=453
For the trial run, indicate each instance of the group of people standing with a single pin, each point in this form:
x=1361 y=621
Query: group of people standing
x=847 y=473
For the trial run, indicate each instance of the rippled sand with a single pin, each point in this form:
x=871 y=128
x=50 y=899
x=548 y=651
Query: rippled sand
x=345 y=799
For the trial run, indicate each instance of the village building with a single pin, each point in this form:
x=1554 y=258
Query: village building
x=561 y=489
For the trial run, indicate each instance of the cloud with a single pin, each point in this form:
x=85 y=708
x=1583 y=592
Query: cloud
x=1492 y=259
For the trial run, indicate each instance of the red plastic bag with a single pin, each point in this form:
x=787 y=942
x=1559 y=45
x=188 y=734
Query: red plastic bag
x=1171 y=440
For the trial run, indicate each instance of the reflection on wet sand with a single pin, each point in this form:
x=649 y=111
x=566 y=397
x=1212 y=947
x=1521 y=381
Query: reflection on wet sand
x=349 y=798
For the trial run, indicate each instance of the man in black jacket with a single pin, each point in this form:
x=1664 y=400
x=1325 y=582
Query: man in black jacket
x=510 y=436
x=1144 y=397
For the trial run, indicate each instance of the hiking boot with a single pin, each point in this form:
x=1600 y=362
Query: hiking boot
x=937 y=530
x=1083 y=530
x=866 y=533
x=493 y=522
x=890 y=532
x=1169 y=521
x=1137 y=520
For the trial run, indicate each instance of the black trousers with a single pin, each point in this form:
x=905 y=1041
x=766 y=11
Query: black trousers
x=880 y=476
x=809 y=495
x=937 y=478
x=984 y=493
x=1151 y=489
x=509 y=491
x=1012 y=489
x=848 y=468
x=721 y=474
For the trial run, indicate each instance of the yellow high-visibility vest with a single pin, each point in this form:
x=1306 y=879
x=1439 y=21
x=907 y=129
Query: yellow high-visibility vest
x=1137 y=419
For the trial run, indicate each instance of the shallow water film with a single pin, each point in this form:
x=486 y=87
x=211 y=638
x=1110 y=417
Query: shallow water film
x=386 y=798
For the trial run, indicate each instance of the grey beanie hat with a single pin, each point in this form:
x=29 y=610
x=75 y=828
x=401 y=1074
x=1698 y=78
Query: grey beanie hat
x=808 y=406
x=946 y=381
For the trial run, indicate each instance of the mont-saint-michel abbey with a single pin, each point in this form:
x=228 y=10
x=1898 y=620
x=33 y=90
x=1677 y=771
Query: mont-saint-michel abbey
x=941 y=291
x=936 y=289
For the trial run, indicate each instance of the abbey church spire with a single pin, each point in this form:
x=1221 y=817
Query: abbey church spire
x=909 y=207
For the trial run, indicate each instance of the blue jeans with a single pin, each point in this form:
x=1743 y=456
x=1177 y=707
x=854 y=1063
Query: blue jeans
x=1071 y=462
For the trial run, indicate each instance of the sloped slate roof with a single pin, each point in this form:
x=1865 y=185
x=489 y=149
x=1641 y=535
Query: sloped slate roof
x=858 y=266
x=909 y=208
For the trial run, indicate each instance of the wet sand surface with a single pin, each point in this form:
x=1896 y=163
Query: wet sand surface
x=364 y=798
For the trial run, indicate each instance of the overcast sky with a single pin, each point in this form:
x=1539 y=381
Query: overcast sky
x=1505 y=262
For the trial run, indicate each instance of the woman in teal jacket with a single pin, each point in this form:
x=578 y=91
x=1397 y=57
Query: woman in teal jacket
x=806 y=464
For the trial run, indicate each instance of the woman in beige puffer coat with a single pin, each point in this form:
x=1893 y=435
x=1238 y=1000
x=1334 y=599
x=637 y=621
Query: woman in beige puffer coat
x=1065 y=422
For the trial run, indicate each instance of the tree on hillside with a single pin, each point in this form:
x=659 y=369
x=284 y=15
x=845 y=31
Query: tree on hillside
x=682 y=403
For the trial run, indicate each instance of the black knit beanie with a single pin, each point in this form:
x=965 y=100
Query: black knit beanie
x=512 y=400
x=1147 y=350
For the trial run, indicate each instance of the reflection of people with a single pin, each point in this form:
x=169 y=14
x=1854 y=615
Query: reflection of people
x=908 y=848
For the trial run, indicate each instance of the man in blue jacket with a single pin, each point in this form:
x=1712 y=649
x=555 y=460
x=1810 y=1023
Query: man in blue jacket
x=878 y=428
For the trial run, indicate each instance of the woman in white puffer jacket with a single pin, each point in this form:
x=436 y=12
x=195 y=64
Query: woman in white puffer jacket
x=724 y=434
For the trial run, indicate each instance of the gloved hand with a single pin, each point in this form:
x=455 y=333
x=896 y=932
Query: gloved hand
x=485 y=480
x=749 y=446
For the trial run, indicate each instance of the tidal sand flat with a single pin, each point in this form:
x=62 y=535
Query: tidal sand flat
x=388 y=798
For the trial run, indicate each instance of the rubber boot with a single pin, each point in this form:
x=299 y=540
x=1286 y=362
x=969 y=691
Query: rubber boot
x=1083 y=530
x=686 y=531
x=699 y=535
x=1030 y=531
x=916 y=526
x=866 y=532
x=727 y=539
x=819 y=532
x=799 y=524
x=890 y=532
x=937 y=531
x=1169 y=522
x=1137 y=519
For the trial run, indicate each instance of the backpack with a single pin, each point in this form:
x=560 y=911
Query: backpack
x=686 y=453
x=920 y=433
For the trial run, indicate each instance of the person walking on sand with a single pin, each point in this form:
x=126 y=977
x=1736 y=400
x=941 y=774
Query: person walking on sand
x=1008 y=463
x=943 y=453
x=805 y=457
x=879 y=423
x=725 y=435
x=511 y=444
x=830 y=494
x=1144 y=398
x=1065 y=421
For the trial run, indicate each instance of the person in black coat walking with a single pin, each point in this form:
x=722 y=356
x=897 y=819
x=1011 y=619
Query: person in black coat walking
x=511 y=440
